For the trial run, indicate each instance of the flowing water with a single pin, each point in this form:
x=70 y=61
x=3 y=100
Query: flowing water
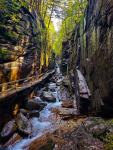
x=45 y=123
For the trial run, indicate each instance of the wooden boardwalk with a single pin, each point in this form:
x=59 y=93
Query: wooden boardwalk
x=21 y=85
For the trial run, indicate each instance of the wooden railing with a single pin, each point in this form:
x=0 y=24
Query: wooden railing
x=7 y=87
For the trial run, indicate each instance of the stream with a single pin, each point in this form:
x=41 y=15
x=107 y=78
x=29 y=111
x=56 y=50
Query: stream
x=47 y=121
x=57 y=123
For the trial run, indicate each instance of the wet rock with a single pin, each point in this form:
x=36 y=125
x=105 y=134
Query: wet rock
x=48 y=96
x=23 y=124
x=78 y=139
x=65 y=95
x=39 y=92
x=37 y=99
x=24 y=112
x=65 y=113
x=98 y=130
x=34 y=113
x=92 y=121
x=52 y=86
x=29 y=114
x=87 y=124
x=8 y=130
x=43 y=143
x=13 y=140
x=35 y=105
x=66 y=82
x=67 y=104
x=47 y=146
x=59 y=82
x=96 y=126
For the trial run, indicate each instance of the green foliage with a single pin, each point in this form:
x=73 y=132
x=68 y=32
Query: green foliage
x=57 y=45
x=71 y=12
x=10 y=18
x=9 y=6
x=74 y=13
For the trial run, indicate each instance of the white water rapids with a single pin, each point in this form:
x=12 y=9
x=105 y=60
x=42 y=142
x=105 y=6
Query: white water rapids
x=44 y=124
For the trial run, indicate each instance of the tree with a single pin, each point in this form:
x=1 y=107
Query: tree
x=73 y=14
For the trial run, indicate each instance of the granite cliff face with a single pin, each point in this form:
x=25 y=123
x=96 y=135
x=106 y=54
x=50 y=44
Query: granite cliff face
x=20 y=41
x=91 y=49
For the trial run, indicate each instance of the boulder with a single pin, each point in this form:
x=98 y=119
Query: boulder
x=67 y=104
x=13 y=140
x=35 y=105
x=34 y=113
x=29 y=114
x=78 y=139
x=43 y=143
x=96 y=126
x=59 y=82
x=98 y=130
x=23 y=124
x=37 y=99
x=8 y=130
x=24 y=112
x=39 y=92
x=48 y=96
x=66 y=82
x=92 y=121
x=65 y=113
x=52 y=86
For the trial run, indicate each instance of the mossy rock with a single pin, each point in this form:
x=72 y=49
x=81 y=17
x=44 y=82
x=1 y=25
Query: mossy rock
x=48 y=146
x=108 y=142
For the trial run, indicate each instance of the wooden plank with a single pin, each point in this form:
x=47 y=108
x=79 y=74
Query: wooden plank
x=23 y=87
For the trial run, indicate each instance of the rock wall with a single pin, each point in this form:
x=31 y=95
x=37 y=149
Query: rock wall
x=20 y=41
x=91 y=49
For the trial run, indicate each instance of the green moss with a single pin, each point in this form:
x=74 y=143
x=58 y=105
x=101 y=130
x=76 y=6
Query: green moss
x=48 y=146
x=84 y=40
x=106 y=137
x=9 y=6
x=13 y=35
x=108 y=142
x=82 y=27
x=10 y=11
x=93 y=39
x=4 y=53
x=15 y=18
x=109 y=122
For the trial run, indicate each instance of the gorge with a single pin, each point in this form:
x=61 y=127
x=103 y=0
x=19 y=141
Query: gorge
x=56 y=86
